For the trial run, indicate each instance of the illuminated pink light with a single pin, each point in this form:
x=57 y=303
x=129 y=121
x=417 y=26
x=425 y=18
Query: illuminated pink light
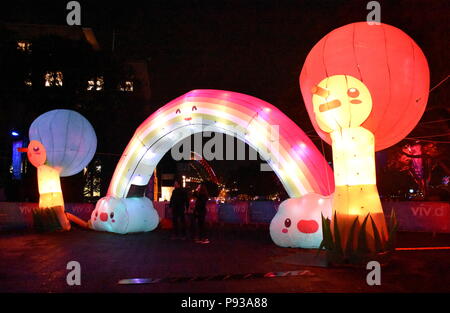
x=240 y=109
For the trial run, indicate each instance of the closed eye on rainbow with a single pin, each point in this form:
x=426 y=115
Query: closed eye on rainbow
x=178 y=111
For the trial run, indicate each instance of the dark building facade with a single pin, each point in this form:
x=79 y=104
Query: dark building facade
x=46 y=67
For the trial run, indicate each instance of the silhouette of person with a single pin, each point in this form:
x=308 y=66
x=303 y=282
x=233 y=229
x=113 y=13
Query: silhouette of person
x=179 y=202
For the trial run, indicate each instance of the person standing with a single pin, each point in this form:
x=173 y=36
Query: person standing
x=179 y=202
x=201 y=195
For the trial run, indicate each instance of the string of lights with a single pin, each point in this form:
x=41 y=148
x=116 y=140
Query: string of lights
x=431 y=136
x=438 y=84
x=434 y=122
x=426 y=140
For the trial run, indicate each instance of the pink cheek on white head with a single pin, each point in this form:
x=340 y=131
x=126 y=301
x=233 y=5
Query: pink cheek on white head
x=284 y=230
x=103 y=217
x=307 y=226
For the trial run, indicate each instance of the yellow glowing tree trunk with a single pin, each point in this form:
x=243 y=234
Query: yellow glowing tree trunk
x=50 y=193
x=356 y=193
x=155 y=186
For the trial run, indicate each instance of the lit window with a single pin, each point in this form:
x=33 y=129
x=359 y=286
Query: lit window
x=96 y=83
x=126 y=86
x=92 y=184
x=53 y=79
x=27 y=81
x=24 y=46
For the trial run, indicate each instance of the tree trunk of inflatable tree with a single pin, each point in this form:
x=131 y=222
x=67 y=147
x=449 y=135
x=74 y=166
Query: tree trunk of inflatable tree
x=51 y=202
x=356 y=196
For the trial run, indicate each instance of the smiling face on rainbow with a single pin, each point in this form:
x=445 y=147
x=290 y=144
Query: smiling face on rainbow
x=341 y=101
x=187 y=114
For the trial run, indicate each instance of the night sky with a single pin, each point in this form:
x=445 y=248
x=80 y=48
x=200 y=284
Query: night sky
x=253 y=47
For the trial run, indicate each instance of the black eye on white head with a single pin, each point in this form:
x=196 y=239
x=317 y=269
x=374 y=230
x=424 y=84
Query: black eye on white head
x=178 y=111
x=194 y=108
x=287 y=222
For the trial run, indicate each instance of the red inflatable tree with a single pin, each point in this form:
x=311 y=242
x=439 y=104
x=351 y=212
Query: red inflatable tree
x=365 y=88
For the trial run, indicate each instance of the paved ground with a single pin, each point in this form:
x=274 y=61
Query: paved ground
x=37 y=263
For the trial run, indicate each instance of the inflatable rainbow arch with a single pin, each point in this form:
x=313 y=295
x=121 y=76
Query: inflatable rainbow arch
x=297 y=162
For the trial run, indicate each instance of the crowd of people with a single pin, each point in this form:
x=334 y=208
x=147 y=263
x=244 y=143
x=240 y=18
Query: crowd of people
x=189 y=208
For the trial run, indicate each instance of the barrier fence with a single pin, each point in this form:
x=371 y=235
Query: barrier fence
x=411 y=215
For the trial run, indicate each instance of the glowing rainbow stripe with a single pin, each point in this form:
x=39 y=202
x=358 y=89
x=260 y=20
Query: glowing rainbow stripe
x=297 y=162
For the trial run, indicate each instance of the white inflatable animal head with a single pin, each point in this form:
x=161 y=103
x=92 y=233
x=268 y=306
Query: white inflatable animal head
x=124 y=215
x=110 y=215
x=142 y=215
x=298 y=222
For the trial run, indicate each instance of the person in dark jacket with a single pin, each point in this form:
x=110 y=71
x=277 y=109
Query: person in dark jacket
x=179 y=202
x=201 y=195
